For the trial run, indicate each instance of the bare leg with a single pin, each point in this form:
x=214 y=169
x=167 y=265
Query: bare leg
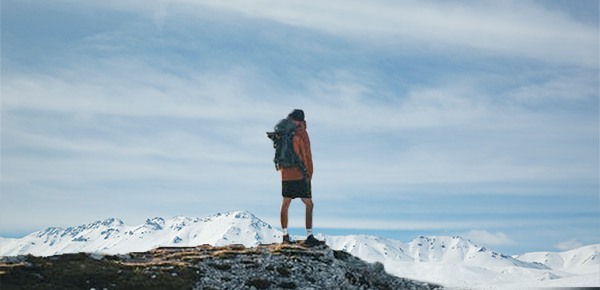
x=285 y=205
x=309 y=212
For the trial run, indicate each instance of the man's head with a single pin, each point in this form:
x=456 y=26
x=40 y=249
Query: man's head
x=297 y=115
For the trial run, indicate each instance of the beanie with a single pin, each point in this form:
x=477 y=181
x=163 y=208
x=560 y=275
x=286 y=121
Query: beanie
x=297 y=115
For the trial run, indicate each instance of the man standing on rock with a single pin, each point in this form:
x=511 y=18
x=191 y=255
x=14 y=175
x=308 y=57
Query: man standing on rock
x=296 y=183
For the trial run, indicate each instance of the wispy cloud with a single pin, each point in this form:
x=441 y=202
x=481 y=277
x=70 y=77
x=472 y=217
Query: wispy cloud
x=160 y=13
x=513 y=28
x=133 y=89
x=568 y=245
x=485 y=238
x=340 y=102
x=567 y=86
x=508 y=28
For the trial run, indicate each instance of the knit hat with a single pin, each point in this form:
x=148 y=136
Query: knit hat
x=297 y=115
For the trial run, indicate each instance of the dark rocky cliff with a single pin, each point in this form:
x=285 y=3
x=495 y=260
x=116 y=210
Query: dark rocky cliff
x=272 y=266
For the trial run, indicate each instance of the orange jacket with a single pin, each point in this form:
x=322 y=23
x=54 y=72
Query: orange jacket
x=302 y=149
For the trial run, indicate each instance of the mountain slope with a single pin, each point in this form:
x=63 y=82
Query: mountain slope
x=452 y=261
x=112 y=236
x=438 y=249
x=583 y=260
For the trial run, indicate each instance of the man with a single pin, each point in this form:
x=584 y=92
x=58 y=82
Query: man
x=295 y=182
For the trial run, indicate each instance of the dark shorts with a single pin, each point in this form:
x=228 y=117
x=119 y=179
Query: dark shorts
x=296 y=188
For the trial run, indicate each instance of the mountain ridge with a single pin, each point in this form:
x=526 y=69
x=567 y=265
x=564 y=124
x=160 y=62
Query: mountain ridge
x=112 y=236
x=426 y=258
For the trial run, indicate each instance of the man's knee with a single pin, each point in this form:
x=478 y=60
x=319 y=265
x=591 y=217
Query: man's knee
x=308 y=202
x=285 y=204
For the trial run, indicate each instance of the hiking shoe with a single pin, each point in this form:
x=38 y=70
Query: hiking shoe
x=311 y=241
x=286 y=240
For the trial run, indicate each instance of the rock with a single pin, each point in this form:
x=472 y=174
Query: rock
x=273 y=266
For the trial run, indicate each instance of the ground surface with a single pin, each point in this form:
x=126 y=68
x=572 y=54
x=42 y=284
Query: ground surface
x=272 y=266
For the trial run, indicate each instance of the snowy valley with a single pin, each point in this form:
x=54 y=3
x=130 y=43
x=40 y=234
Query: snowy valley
x=449 y=261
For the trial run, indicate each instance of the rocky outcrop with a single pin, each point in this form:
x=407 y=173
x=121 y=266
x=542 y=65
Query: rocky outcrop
x=273 y=266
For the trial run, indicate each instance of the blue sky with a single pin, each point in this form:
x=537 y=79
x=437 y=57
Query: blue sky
x=470 y=118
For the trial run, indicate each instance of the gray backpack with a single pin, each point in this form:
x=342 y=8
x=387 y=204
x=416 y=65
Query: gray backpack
x=282 y=138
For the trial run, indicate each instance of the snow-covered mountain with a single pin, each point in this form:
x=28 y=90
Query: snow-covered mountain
x=437 y=249
x=458 y=262
x=112 y=236
x=452 y=261
x=583 y=260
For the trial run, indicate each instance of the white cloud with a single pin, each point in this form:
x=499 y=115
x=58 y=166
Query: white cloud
x=568 y=245
x=130 y=88
x=486 y=238
x=337 y=101
x=505 y=28
x=160 y=12
x=349 y=101
x=564 y=87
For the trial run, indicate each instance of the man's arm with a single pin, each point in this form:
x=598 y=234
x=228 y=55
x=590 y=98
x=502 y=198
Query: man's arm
x=302 y=149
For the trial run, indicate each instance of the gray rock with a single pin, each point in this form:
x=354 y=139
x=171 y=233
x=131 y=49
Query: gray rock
x=273 y=266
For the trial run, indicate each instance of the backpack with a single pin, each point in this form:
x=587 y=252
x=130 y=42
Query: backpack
x=282 y=138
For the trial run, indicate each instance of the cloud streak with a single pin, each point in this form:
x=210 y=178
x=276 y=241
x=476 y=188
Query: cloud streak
x=568 y=245
x=483 y=237
x=507 y=28
x=340 y=102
